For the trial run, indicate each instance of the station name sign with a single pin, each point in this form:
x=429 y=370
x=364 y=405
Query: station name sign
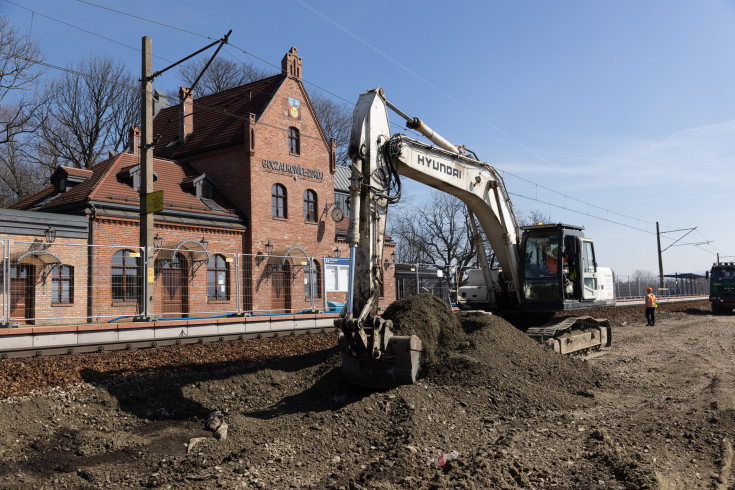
x=293 y=169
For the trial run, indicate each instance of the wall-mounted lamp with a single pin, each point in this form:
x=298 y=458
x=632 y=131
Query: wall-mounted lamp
x=204 y=243
x=337 y=252
x=389 y=263
x=268 y=248
x=50 y=234
x=157 y=241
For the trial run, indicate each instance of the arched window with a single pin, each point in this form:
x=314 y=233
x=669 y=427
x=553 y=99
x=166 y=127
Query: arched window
x=310 y=206
x=124 y=276
x=313 y=280
x=294 y=141
x=62 y=284
x=278 y=201
x=218 y=278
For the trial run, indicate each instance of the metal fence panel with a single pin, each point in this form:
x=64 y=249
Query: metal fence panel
x=55 y=283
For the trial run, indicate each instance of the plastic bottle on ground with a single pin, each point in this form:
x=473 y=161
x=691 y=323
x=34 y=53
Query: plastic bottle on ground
x=447 y=457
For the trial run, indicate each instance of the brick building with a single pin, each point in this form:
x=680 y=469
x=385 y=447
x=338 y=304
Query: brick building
x=36 y=278
x=248 y=182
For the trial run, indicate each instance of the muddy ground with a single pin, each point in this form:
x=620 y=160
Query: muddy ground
x=657 y=412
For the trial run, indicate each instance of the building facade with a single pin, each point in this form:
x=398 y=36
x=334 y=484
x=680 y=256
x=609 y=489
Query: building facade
x=248 y=181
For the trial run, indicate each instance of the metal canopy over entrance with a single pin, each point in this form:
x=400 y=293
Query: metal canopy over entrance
x=295 y=256
x=42 y=260
x=193 y=251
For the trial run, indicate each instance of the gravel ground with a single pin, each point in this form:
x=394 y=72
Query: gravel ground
x=657 y=412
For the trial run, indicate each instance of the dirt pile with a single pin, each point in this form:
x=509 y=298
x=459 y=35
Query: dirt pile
x=633 y=315
x=431 y=319
x=22 y=376
x=519 y=416
x=523 y=375
x=479 y=350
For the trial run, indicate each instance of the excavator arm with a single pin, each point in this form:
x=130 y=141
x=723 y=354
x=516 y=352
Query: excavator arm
x=372 y=355
x=378 y=158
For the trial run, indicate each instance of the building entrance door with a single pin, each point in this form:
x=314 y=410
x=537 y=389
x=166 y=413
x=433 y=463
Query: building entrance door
x=280 y=287
x=175 y=282
x=22 y=293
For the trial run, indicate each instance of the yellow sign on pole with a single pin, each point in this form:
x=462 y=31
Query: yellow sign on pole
x=151 y=275
x=154 y=202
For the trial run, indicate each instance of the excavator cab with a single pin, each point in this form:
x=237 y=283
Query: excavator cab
x=559 y=270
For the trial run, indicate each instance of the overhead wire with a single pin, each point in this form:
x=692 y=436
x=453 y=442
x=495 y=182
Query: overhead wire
x=243 y=50
x=253 y=55
x=36 y=12
x=140 y=91
x=505 y=172
x=147 y=20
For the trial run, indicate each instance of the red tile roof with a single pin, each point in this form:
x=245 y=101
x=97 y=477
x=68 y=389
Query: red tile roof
x=219 y=118
x=27 y=201
x=45 y=199
x=104 y=185
x=77 y=172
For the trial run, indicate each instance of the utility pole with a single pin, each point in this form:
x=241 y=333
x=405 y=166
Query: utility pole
x=150 y=203
x=676 y=243
x=660 y=260
x=146 y=170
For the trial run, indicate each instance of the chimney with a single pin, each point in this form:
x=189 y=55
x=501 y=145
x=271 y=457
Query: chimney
x=291 y=64
x=186 y=114
x=250 y=133
x=134 y=140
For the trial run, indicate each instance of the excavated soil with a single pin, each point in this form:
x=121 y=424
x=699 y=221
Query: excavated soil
x=657 y=412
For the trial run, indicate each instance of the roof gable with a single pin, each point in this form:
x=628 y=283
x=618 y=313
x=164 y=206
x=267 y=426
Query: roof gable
x=306 y=102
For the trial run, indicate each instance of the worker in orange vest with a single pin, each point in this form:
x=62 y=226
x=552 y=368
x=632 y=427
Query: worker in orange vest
x=551 y=265
x=650 y=308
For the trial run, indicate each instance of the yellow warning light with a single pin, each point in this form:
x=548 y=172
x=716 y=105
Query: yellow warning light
x=540 y=223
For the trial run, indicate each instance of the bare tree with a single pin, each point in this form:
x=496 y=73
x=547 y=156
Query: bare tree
x=336 y=119
x=90 y=110
x=19 y=175
x=437 y=232
x=221 y=75
x=645 y=276
x=20 y=102
x=19 y=58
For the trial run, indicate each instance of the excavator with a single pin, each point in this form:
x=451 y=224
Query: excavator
x=542 y=268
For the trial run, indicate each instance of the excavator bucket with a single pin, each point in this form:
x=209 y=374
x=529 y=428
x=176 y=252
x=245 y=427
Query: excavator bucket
x=584 y=336
x=398 y=365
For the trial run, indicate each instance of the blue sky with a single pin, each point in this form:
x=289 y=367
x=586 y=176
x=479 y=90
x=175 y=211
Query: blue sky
x=620 y=114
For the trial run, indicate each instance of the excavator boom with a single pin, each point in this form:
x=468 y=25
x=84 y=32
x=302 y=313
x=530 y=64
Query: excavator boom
x=372 y=355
